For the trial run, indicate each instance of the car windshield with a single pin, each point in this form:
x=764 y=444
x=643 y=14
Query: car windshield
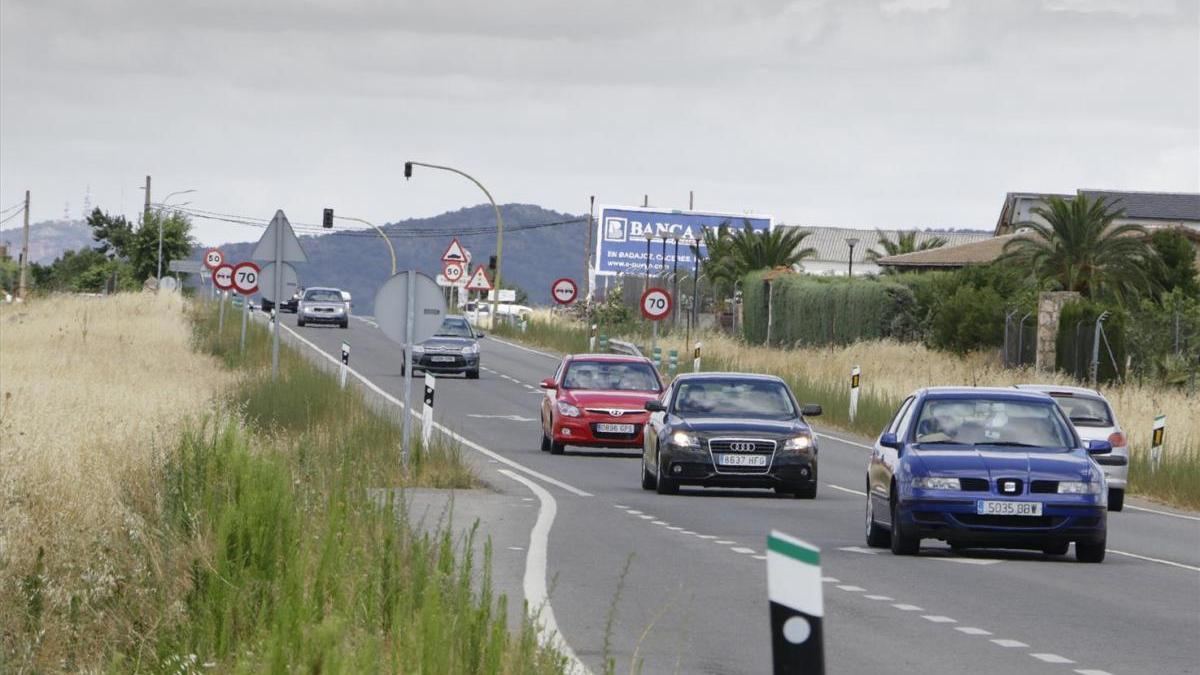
x=1085 y=412
x=992 y=422
x=611 y=376
x=763 y=399
x=320 y=295
x=455 y=328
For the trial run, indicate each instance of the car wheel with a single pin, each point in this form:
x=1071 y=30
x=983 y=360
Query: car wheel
x=300 y=322
x=545 y=442
x=665 y=485
x=1116 y=499
x=902 y=542
x=557 y=448
x=1090 y=551
x=473 y=374
x=877 y=537
x=805 y=491
x=648 y=482
x=1056 y=548
x=346 y=324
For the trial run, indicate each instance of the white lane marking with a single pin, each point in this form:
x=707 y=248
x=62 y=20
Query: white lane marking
x=1051 y=658
x=674 y=527
x=830 y=580
x=1161 y=513
x=970 y=630
x=846 y=489
x=516 y=548
x=742 y=549
x=510 y=418
x=858 y=549
x=620 y=506
x=937 y=618
x=852 y=589
x=760 y=557
x=842 y=440
x=530 y=387
x=724 y=542
x=535 y=570
x=969 y=561
x=1156 y=560
x=525 y=349
x=1092 y=671
x=441 y=427
x=707 y=536
x=1004 y=642
x=657 y=522
x=907 y=608
x=633 y=512
x=686 y=532
x=885 y=598
x=645 y=517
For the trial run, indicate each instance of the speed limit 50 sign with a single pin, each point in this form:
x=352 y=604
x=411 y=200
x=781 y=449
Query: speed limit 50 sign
x=656 y=304
x=213 y=258
x=245 y=278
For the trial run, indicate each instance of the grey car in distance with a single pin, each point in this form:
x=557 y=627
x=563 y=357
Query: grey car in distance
x=454 y=348
x=323 y=305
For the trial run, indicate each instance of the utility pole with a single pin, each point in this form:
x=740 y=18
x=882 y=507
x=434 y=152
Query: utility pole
x=146 y=210
x=587 y=252
x=24 y=252
x=691 y=200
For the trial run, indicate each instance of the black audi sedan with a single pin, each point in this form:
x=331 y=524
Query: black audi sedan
x=730 y=430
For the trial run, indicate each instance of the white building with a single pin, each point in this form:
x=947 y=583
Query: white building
x=833 y=251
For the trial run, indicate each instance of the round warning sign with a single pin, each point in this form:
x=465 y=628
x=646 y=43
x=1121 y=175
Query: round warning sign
x=656 y=304
x=213 y=258
x=564 y=291
x=245 y=278
x=223 y=277
x=453 y=271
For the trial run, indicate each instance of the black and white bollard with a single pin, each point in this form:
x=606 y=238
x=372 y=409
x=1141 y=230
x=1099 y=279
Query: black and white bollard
x=696 y=359
x=855 y=376
x=427 y=412
x=797 y=605
x=345 y=365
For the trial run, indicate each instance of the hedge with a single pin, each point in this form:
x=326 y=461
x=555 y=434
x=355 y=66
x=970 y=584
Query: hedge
x=815 y=311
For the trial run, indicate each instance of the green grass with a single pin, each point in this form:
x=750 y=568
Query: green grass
x=296 y=568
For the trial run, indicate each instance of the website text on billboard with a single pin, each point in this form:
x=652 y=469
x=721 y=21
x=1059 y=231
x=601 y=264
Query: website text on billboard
x=622 y=232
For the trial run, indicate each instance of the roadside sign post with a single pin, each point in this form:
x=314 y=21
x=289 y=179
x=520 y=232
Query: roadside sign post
x=345 y=365
x=278 y=243
x=427 y=411
x=245 y=281
x=696 y=359
x=797 y=605
x=656 y=306
x=592 y=338
x=479 y=282
x=673 y=362
x=222 y=278
x=855 y=376
x=564 y=291
x=1156 y=441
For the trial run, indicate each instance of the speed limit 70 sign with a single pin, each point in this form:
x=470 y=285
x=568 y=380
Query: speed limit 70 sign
x=223 y=277
x=213 y=258
x=656 y=304
x=245 y=278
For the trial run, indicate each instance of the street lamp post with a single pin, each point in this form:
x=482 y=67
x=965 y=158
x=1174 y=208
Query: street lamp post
x=160 y=228
x=646 y=282
x=499 y=221
x=852 y=242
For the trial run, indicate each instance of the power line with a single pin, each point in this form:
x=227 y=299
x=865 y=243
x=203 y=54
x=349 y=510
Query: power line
x=14 y=206
x=11 y=216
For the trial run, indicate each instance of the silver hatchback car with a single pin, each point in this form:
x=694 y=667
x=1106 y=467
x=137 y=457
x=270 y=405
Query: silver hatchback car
x=1094 y=420
x=323 y=305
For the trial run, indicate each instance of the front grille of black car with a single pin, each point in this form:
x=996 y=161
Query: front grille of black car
x=606 y=435
x=1044 y=487
x=725 y=445
x=1008 y=521
x=720 y=446
x=973 y=484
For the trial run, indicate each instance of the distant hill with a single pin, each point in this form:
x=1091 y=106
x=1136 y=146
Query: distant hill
x=49 y=239
x=358 y=262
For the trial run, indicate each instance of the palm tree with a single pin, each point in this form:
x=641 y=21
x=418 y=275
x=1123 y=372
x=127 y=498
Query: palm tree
x=768 y=249
x=906 y=242
x=719 y=266
x=1080 y=249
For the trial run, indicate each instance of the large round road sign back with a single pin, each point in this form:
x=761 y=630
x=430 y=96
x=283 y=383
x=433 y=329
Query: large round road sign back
x=223 y=277
x=564 y=291
x=391 y=307
x=213 y=258
x=245 y=278
x=656 y=304
x=266 y=282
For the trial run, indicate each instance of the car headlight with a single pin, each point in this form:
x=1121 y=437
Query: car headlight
x=418 y=350
x=685 y=440
x=567 y=410
x=936 y=483
x=801 y=443
x=1078 y=487
x=471 y=349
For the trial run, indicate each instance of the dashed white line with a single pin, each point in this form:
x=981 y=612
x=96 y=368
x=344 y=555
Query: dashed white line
x=657 y=522
x=724 y=542
x=686 y=532
x=742 y=549
x=1161 y=513
x=937 y=618
x=830 y=580
x=1004 y=642
x=633 y=512
x=1051 y=658
x=760 y=557
x=885 y=598
x=858 y=549
x=646 y=517
x=1091 y=671
x=970 y=630
x=846 y=489
x=851 y=589
x=620 y=506
x=907 y=608
x=1155 y=560
x=674 y=527
x=707 y=536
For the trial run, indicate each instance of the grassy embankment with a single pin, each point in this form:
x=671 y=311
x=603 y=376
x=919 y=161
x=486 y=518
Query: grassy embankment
x=891 y=370
x=166 y=507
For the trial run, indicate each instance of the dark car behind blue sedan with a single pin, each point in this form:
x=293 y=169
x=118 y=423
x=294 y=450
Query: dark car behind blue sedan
x=992 y=468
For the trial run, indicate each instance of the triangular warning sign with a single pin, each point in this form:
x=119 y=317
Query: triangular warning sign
x=291 y=249
x=479 y=281
x=455 y=252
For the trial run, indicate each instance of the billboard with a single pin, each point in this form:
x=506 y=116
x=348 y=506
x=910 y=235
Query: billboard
x=622 y=230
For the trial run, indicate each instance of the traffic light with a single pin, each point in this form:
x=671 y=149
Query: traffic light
x=408 y=169
x=327 y=222
x=492 y=265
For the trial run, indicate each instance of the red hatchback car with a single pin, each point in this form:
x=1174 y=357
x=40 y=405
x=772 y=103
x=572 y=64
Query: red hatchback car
x=598 y=401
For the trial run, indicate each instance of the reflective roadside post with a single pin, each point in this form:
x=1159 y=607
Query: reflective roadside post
x=345 y=365
x=673 y=362
x=797 y=605
x=1156 y=441
x=696 y=358
x=427 y=411
x=855 y=375
x=592 y=339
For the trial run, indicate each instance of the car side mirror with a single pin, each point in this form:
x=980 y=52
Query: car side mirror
x=889 y=440
x=811 y=410
x=655 y=406
x=548 y=383
x=1099 y=447
x=479 y=335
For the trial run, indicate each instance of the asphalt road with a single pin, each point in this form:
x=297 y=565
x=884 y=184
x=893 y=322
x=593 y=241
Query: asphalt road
x=693 y=599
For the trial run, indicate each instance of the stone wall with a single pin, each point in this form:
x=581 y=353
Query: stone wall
x=1049 y=309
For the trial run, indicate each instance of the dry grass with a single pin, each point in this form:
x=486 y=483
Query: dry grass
x=95 y=391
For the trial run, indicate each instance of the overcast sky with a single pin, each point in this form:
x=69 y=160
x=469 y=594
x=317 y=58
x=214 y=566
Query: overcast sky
x=861 y=113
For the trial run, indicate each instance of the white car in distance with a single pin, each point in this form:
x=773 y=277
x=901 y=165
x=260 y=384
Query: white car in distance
x=1094 y=420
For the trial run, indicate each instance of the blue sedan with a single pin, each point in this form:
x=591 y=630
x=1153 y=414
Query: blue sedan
x=980 y=467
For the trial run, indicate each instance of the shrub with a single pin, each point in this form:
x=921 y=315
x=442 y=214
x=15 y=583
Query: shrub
x=814 y=311
x=969 y=319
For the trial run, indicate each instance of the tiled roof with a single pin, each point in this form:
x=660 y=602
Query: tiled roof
x=971 y=253
x=1152 y=205
x=830 y=242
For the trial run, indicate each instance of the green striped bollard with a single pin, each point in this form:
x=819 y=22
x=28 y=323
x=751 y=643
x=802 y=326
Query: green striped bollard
x=656 y=357
x=603 y=343
x=673 y=362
